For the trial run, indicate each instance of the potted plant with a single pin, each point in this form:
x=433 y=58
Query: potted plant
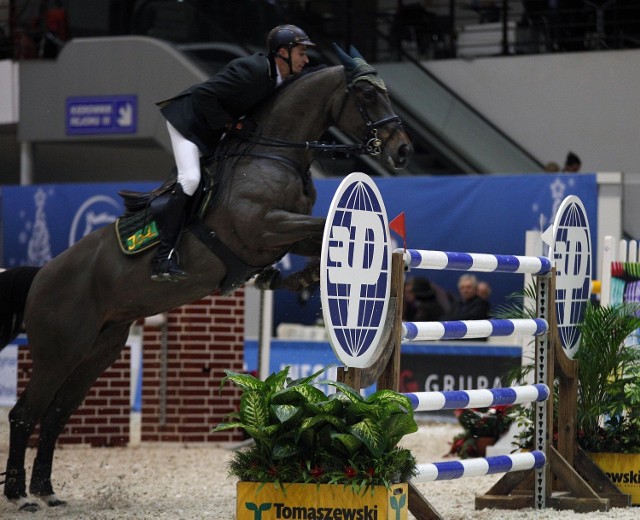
x=608 y=408
x=342 y=443
x=609 y=380
x=482 y=428
x=608 y=404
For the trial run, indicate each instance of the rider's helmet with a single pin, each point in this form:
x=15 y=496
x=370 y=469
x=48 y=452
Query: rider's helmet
x=287 y=36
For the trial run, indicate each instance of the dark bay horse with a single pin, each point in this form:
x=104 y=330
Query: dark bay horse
x=78 y=308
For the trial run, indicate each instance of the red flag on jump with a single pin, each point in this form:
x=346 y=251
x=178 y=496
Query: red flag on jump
x=397 y=225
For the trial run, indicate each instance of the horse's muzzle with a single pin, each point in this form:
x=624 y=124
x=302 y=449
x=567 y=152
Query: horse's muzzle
x=405 y=151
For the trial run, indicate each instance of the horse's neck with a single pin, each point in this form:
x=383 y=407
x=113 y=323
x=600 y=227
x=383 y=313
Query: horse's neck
x=302 y=111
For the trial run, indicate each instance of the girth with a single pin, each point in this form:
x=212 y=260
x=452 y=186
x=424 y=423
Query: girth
x=237 y=271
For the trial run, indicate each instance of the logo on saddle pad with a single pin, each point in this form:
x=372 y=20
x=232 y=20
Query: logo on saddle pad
x=136 y=233
x=355 y=271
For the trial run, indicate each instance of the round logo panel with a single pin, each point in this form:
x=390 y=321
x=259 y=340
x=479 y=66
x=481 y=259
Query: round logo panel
x=571 y=251
x=355 y=271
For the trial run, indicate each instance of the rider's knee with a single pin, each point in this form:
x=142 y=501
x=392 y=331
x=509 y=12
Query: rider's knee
x=189 y=183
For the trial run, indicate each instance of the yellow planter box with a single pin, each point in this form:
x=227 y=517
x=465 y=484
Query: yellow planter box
x=623 y=469
x=326 y=501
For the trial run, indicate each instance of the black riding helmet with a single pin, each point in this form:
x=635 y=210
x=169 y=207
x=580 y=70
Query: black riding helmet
x=287 y=36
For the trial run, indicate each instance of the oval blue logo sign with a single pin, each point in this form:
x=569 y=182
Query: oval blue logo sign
x=355 y=271
x=571 y=251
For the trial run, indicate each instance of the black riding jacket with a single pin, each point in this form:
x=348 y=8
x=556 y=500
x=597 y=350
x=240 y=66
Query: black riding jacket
x=201 y=112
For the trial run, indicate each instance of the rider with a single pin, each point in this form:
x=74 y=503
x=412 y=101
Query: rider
x=199 y=116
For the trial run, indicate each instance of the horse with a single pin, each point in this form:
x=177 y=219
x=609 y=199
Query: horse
x=78 y=308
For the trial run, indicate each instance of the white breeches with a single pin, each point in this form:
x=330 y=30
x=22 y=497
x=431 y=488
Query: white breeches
x=187 y=157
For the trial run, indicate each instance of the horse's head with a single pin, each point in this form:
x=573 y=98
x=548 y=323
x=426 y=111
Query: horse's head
x=366 y=112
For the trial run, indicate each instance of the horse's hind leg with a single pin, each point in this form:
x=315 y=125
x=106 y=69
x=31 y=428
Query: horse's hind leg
x=15 y=480
x=68 y=398
x=22 y=420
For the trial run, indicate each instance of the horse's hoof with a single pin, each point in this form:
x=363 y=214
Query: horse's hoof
x=169 y=277
x=23 y=504
x=30 y=507
x=52 y=500
x=268 y=279
x=162 y=277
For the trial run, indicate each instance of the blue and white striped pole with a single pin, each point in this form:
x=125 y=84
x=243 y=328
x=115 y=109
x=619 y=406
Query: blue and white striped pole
x=479 y=467
x=438 y=330
x=456 y=399
x=478 y=262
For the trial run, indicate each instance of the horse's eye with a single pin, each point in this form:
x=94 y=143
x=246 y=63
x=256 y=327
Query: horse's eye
x=369 y=93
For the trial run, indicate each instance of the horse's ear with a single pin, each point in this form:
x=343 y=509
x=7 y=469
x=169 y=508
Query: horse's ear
x=355 y=54
x=355 y=66
x=345 y=59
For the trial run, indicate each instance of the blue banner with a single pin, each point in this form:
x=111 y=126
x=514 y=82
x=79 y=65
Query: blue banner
x=39 y=222
x=478 y=214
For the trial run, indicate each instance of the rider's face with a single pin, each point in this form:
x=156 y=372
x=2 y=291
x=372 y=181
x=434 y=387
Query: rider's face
x=298 y=55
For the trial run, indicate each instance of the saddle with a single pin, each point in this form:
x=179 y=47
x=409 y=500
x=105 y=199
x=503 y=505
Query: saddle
x=137 y=229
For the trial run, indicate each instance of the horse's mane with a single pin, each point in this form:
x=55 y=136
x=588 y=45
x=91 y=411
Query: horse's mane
x=291 y=93
x=305 y=72
x=291 y=83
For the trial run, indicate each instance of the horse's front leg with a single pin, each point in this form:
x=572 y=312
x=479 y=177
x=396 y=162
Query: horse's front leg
x=311 y=247
x=305 y=235
x=286 y=229
x=272 y=279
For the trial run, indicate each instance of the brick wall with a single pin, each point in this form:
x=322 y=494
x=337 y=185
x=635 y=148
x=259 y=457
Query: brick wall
x=203 y=339
x=103 y=417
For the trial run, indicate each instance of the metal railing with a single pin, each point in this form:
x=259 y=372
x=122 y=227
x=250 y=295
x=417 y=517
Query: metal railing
x=424 y=30
x=448 y=29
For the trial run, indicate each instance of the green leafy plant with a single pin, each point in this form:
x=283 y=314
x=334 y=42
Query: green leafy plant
x=479 y=423
x=303 y=436
x=609 y=379
x=608 y=404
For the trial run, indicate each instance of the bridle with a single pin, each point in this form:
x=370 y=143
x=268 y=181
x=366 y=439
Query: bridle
x=372 y=146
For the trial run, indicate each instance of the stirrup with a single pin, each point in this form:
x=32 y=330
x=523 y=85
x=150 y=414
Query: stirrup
x=168 y=270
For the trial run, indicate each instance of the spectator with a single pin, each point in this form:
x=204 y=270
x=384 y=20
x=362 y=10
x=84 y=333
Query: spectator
x=420 y=301
x=484 y=290
x=470 y=306
x=572 y=163
x=552 y=167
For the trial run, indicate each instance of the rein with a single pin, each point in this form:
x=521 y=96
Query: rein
x=359 y=149
x=371 y=146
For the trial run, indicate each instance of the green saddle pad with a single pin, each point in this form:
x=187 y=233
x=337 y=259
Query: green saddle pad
x=136 y=233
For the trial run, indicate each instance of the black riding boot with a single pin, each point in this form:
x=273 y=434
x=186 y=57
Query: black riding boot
x=165 y=263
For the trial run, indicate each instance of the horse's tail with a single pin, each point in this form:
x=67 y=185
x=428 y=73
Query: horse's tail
x=14 y=287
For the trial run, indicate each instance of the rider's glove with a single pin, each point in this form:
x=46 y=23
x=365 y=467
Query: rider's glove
x=243 y=128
